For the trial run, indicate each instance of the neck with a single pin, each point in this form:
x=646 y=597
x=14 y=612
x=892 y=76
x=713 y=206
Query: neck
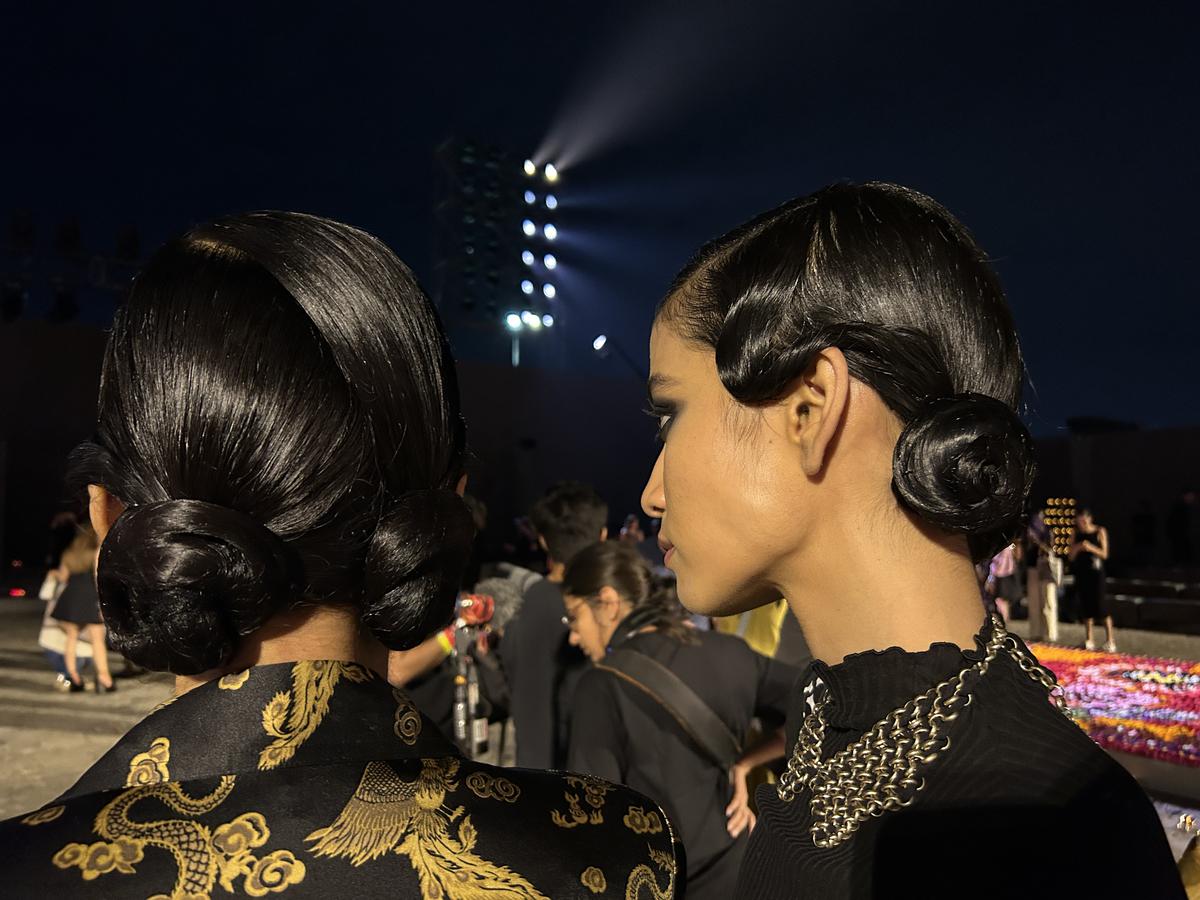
x=556 y=572
x=896 y=584
x=307 y=632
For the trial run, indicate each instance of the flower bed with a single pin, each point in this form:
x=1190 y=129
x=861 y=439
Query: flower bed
x=1137 y=704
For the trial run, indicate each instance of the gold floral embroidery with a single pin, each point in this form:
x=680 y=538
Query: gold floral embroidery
x=291 y=717
x=150 y=767
x=639 y=821
x=492 y=787
x=594 y=791
x=42 y=816
x=408 y=719
x=390 y=815
x=593 y=879
x=234 y=681
x=643 y=877
x=202 y=856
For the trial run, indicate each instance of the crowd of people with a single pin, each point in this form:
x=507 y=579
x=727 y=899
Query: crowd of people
x=276 y=489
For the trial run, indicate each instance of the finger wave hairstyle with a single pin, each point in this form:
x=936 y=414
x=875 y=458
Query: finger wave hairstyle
x=279 y=412
x=888 y=276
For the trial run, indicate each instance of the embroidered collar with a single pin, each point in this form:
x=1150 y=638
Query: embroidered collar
x=313 y=712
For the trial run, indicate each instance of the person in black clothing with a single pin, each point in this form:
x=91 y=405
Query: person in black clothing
x=622 y=733
x=275 y=483
x=542 y=667
x=1088 y=554
x=836 y=384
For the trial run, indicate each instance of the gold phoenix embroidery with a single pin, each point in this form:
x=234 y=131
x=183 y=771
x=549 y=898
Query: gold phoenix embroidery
x=408 y=719
x=594 y=791
x=643 y=877
x=593 y=879
x=388 y=814
x=291 y=717
x=42 y=816
x=492 y=787
x=150 y=767
x=639 y=821
x=202 y=856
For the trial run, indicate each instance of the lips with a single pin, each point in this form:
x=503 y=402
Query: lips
x=667 y=548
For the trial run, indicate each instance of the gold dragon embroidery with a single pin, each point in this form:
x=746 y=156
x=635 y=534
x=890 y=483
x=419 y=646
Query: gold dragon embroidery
x=291 y=717
x=203 y=856
x=643 y=877
x=388 y=814
x=594 y=791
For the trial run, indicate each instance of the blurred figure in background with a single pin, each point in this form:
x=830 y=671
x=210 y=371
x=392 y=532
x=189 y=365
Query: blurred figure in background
x=78 y=608
x=1002 y=581
x=542 y=667
x=1041 y=581
x=1089 y=550
x=667 y=709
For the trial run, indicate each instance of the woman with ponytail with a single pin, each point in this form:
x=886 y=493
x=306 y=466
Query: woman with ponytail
x=837 y=385
x=276 y=483
x=667 y=709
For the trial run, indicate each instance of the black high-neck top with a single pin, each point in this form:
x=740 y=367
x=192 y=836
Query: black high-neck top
x=1023 y=804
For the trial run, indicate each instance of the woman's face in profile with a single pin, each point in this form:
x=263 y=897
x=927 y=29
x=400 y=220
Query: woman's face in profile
x=727 y=483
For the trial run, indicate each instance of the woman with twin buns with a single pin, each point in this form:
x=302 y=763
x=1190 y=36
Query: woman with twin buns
x=276 y=480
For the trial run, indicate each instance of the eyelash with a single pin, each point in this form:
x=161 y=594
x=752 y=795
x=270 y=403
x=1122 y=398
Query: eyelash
x=665 y=416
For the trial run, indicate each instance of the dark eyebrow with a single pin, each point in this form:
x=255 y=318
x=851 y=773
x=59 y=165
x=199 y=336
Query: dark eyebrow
x=657 y=382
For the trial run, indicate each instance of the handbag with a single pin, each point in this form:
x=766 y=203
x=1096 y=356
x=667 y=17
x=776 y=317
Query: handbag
x=695 y=717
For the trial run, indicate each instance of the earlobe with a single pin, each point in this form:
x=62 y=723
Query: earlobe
x=103 y=509
x=816 y=407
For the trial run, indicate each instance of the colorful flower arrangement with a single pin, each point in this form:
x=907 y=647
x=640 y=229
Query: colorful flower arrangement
x=1136 y=704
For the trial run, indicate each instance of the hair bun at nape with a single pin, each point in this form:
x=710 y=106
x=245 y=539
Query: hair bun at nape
x=965 y=464
x=414 y=565
x=182 y=581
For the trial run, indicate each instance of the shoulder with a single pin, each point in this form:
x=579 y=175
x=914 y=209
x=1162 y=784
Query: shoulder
x=407 y=827
x=562 y=819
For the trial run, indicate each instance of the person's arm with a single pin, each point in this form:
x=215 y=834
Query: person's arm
x=597 y=732
x=405 y=665
x=1102 y=550
x=738 y=815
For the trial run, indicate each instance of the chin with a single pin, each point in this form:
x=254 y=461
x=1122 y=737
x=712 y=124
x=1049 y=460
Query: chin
x=713 y=599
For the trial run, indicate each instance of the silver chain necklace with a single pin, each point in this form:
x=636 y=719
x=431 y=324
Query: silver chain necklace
x=881 y=771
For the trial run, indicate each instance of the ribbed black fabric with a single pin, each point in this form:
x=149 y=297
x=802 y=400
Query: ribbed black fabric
x=1022 y=805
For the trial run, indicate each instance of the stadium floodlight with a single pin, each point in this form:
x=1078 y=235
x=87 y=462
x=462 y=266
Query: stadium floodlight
x=548 y=320
x=530 y=168
x=513 y=321
x=526 y=286
x=529 y=228
x=599 y=343
x=550 y=260
x=549 y=291
x=550 y=232
x=527 y=257
x=551 y=202
x=531 y=197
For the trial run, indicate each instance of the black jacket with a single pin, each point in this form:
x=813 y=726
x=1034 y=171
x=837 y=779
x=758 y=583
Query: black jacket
x=316 y=779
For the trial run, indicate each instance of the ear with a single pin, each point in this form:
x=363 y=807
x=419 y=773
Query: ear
x=103 y=509
x=461 y=489
x=816 y=406
x=604 y=534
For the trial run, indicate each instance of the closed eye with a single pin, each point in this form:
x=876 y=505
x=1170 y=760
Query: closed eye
x=664 y=415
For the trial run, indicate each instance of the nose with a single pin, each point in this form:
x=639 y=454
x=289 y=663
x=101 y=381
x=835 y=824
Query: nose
x=654 y=497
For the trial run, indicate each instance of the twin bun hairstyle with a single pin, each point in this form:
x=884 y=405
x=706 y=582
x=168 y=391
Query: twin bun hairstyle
x=279 y=413
x=895 y=282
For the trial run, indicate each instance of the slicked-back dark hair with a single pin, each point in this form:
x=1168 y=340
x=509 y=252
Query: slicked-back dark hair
x=279 y=412
x=894 y=281
x=569 y=517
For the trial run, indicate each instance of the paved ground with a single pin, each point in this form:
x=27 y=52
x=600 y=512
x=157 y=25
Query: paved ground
x=48 y=738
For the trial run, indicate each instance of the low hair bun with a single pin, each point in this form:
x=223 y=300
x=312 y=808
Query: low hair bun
x=414 y=565
x=182 y=581
x=965 y=464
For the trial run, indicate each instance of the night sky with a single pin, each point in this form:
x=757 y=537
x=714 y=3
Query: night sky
x=1065 y=138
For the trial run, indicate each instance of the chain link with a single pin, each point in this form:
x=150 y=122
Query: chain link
x=881 y=771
